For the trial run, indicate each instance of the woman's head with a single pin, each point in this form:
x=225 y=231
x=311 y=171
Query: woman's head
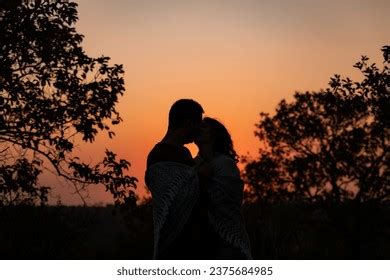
x=215 y=133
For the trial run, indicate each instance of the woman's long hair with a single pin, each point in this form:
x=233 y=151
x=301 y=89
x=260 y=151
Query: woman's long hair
x=222 y=140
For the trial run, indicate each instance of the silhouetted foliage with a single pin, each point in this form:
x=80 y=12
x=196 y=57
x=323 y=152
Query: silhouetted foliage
x=67 y=232
x=51 y=94
x=331 y=145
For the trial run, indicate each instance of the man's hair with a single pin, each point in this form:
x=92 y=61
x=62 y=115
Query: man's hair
x=184 y=109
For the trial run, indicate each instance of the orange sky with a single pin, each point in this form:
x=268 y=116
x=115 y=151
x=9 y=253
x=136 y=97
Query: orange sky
x=236 y=57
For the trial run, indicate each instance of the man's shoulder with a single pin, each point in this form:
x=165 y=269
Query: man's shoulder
x=162 y=148
x=154 y=153
x=166 y=152
x=156 y=148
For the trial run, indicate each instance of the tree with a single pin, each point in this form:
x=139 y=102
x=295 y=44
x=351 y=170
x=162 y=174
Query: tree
x=331 y=145
x=51 y=94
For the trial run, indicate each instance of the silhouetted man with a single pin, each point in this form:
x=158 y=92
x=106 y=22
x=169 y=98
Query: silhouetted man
x=179 y=210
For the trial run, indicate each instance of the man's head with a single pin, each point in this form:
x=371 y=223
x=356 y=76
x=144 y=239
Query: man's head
x=185 y=116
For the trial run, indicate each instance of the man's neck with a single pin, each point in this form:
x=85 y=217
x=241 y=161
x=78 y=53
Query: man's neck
x=173 y=138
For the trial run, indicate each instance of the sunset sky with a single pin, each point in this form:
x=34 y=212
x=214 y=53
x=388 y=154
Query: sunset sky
x=236 y=57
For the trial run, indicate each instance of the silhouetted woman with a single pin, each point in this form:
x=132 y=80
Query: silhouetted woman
x=224 y=191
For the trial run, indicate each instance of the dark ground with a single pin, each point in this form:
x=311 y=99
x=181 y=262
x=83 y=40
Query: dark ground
x=282 y=231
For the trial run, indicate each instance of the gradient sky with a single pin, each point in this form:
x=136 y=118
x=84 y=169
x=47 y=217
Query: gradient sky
x=236 y=57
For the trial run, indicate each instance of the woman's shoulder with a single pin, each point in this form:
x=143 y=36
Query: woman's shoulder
x=226 y=165
x=222 y=158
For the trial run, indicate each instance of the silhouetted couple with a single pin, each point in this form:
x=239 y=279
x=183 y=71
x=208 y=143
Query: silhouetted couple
x=196 y=202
